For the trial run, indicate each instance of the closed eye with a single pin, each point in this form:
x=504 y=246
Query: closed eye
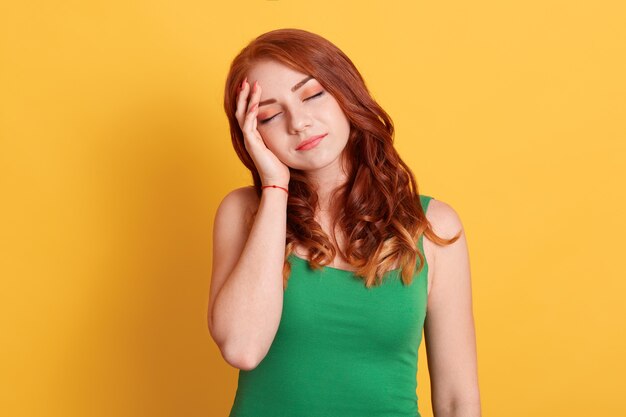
x=314 y=96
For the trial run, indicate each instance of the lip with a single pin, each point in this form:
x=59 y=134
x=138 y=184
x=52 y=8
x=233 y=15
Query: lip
x=310 y=142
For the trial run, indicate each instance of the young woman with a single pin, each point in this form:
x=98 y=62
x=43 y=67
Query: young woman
x=322 y=280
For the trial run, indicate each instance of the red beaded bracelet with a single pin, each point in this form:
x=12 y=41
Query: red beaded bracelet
x=275 y=186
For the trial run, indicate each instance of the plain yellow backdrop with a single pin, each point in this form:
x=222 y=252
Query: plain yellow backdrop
x=115 y=152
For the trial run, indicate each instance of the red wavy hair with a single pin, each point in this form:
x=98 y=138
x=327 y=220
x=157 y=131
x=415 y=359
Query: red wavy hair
x=378 y=206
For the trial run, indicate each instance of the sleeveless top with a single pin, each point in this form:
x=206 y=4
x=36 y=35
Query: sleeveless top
x=341 y=349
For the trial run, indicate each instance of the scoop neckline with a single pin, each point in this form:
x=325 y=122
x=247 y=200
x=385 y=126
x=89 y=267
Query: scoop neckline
x=347 y=271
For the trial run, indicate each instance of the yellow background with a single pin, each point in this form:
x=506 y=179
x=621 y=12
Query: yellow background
x=114 y=154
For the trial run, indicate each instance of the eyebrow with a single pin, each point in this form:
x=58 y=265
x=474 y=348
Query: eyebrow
x=293 y=89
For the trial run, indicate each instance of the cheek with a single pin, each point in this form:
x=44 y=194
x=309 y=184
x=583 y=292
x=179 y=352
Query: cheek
x=340 y=122
x=268 y=139
x=273 y=142
x=337 y=115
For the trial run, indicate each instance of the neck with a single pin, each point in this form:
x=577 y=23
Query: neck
x=326 y=180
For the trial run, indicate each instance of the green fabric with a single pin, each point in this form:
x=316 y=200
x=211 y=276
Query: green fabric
x=341 y=349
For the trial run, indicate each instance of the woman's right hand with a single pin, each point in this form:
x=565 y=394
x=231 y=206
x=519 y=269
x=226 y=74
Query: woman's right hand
x=271 y=169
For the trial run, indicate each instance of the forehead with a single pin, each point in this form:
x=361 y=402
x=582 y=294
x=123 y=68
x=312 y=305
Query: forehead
x=273 y=76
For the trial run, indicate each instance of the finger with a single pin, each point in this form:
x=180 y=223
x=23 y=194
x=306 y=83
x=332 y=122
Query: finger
x=250 y=119
x=241 y=103
x=256 y=100
x=251 y=115
x=255 y=95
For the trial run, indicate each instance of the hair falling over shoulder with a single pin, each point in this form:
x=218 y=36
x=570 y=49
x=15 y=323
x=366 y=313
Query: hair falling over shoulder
x=379 y=206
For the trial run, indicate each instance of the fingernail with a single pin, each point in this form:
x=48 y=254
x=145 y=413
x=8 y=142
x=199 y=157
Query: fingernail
x=243 y=83
x=255 y=85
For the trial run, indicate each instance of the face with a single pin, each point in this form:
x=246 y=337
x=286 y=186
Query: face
x=293 y=108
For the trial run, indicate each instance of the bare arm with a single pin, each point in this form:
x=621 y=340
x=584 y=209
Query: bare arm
x=246 y=299
x=449 y=326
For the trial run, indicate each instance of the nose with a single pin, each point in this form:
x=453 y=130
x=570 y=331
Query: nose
x=299 y=121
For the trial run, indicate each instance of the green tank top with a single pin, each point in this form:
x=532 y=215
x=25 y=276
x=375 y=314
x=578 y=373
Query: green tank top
x=341 y=349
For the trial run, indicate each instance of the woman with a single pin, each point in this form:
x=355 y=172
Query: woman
x=321 y=277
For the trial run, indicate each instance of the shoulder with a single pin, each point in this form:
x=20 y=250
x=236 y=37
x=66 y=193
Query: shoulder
x=444 y=219
x=242 y=196
x=240 y=201
x=245 y=194
x=449 y=261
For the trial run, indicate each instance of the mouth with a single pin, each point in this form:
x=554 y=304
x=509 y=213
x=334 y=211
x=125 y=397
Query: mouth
x=310 y=142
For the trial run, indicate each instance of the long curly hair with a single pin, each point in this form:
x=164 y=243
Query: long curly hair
x=378 y=206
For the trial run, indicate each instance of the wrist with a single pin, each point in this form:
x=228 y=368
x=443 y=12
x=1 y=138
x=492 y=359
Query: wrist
x=279 y=187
